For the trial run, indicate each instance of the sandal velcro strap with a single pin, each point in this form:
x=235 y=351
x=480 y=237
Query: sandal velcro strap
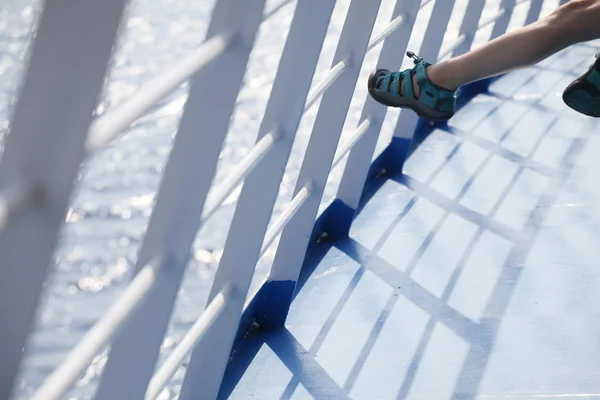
x=395 y=88
x=421 y=73
x=408 y=85
x=385 y=84
x=431 y=95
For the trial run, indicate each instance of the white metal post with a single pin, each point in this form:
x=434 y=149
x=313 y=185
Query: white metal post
x=259 y=192
x=501 y=24
x=181 y=198
x=64 y=79
x=359 y=158
x=317 y=163
x=535 y=8
x=436 y=30
x=430 y=50
x=468 y=28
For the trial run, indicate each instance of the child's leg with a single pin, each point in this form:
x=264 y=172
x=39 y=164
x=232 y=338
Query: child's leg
x=429 y=89
x=575 y=22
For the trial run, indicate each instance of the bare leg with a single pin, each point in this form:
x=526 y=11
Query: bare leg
x=575 y=22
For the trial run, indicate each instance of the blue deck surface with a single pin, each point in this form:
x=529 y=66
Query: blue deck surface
x=472 y=275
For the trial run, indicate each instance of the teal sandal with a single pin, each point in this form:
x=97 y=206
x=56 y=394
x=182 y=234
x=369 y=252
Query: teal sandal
x=434 y=102
x=583 y=94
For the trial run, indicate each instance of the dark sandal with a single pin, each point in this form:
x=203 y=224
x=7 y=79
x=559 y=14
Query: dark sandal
x=434 y=102
x=583 y=94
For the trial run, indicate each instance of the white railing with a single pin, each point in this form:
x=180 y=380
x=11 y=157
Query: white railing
x=70 y=55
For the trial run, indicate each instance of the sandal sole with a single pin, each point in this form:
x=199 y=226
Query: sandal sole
x=389 y=100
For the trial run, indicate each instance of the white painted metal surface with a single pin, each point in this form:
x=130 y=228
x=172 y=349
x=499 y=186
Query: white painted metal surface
x=181 y=198
x=469 y=27
x=359 y=157
x=501 y=23
x=42 y=153
x=255 y=204
x=194 y=335
x=534 y=11
x=115 y=121
x=430 y=51
x=280 y=223
x=101 y=333
x=220 y=193
x=324 y=139
x=65 y=76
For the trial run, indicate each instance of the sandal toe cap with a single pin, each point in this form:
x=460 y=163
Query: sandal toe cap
x=372 y=83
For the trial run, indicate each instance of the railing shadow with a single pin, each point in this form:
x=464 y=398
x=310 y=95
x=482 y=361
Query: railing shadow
x=469 y=221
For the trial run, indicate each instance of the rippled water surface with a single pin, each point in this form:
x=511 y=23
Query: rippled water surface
x=115 y=191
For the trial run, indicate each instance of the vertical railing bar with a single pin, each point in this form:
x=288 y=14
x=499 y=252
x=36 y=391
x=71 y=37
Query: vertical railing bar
x=112 y=123
x=12 y=201
x=501 y=24
x=244 y=167
x=193 y=336
x=454 y=46
x=380 y=37
x=334 y=72
x=280 y=223
x=393 y=25
x=430 y=51
x=469 y=26
x=535 y=8
x=359 y=157
x=426 y=2
x=436 y=29
x=316 y=93
x=293 y=221
x=269 y=14
x=60 y=380
x=360 y=131
x=501 y=13
x=259 y=192
x=183 y=191
x=318 y=159
x=69 y=59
